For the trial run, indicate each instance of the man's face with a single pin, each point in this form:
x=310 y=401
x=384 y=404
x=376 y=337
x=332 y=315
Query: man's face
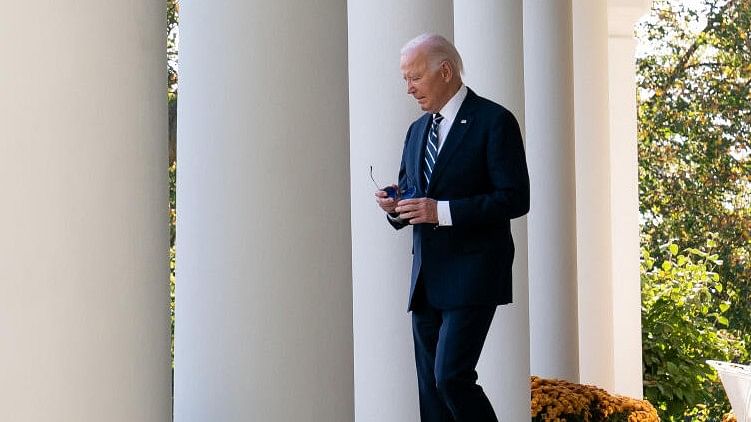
x=429 y=87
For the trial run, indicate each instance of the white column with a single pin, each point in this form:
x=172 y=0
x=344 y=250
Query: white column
x=84 y=286
x=624 y=193
x=380 y=113
x=488 y=34
x=594 y=225
x=548 y=81
x=264 y=296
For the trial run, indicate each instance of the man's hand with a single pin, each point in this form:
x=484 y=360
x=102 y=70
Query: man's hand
x=418 y=210
x=387 y=204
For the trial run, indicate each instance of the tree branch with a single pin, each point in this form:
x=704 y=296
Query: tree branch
x=710 y=64
x=680 y=68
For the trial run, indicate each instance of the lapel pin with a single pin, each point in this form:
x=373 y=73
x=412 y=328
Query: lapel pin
x=463 y=121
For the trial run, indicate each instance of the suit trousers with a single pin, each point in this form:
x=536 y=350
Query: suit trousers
x=448 y=344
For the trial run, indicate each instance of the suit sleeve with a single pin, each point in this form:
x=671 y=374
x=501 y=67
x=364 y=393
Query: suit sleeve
x=403 y=183
x=507 y=171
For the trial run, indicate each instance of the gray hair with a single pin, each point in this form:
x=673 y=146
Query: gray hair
x=438 y=49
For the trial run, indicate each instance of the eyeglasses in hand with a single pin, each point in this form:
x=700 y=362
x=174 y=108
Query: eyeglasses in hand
x=409 y=191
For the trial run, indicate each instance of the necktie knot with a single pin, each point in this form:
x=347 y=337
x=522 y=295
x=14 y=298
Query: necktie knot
x=437 y=119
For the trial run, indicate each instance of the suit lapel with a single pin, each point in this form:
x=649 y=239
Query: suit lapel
x=453 y=139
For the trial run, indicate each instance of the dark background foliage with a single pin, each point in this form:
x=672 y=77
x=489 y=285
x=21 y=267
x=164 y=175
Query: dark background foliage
x=695 y=191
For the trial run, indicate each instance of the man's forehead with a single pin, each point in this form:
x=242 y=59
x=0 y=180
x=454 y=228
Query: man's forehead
x=411 y=61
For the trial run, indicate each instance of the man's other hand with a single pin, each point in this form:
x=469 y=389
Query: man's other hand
x=418 y=210
x=387 y=204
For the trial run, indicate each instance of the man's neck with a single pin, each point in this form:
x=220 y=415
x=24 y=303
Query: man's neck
x=449 y=96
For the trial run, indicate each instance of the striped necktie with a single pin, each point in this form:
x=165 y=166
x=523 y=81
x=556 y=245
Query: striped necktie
x=431 y=148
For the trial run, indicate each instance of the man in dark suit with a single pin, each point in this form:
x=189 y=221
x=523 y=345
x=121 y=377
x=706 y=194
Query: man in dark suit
x=464 y=160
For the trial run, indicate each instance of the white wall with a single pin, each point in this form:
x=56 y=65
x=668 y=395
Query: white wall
x=548 y=60
x=624 y=191
x=489 y=34
x=84 y=285
x=264 y=296
x=380 y=113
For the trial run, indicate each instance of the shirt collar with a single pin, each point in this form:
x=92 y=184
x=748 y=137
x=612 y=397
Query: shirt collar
x=451 y=109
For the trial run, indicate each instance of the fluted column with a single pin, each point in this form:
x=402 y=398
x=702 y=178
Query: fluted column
x=548 y=81
x=624 y=191
x=593 y=201
x=488 y=34
x=264 y=296
x=380 y=113
x=84 y=284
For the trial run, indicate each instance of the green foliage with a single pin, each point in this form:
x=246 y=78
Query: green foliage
x=685 y=308
x=172 y=49
x=172 y=223
x=172 y=44
x=694 y=116
x=695 y=133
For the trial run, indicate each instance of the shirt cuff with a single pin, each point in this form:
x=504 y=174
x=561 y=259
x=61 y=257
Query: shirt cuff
x=395 y=218
x=444 y=213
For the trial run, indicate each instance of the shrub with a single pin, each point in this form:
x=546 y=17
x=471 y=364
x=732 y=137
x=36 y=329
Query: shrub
x=729 y=418
x=557 y=400
x=684 y=308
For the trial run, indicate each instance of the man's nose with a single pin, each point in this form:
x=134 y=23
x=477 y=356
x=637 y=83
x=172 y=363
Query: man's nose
x=410 y=88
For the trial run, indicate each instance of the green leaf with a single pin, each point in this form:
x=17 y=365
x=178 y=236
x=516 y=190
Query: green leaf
x=673 y=249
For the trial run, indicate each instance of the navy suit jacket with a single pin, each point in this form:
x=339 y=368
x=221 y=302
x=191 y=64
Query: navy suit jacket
x=482 y=171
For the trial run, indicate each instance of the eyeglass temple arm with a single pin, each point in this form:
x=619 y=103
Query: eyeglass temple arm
x=373 y=179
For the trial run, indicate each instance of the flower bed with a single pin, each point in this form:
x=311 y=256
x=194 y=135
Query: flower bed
x=559 y=401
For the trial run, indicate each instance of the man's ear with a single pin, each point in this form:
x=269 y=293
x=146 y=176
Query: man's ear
x=446 y=71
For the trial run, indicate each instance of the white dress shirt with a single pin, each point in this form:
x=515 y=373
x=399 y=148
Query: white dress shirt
x=449 y=112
